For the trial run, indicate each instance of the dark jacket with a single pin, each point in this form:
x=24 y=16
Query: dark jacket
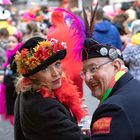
x=9 y=82
x=106 y=33
x=119 y=115
x=38 y=118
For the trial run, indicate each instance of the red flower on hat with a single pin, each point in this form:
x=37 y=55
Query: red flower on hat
x=57 y=47
x=24 y=53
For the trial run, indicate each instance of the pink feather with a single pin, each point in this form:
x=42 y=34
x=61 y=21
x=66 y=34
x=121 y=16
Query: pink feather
x=79 y=33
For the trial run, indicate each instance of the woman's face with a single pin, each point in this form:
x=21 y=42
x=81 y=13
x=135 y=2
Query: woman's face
x=51 y=76
x=12 y=42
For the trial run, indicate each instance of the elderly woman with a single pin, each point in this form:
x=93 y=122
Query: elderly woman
x=48 y=105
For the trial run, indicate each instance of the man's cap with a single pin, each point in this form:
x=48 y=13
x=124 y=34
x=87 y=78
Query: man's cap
x=93 y=49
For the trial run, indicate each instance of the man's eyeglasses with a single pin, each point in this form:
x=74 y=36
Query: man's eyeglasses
x=91 y=70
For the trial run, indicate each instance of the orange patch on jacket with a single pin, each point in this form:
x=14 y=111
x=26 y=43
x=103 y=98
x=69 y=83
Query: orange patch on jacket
x=102 y=125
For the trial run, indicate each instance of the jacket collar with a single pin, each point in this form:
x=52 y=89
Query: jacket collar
x=121 y=82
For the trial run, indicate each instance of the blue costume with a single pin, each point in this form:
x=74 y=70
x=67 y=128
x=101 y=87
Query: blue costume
x=106 y=33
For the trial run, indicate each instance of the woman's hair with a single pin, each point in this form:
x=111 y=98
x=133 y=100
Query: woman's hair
x=120 y=18
x=24 y=84
x=4 y=33
x=32 y=27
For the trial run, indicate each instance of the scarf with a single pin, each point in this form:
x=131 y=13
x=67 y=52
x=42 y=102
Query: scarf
x=10 y=53
x=115 y=78
x=68 y=95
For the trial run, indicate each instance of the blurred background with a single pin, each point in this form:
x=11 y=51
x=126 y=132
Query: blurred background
x=24 y=18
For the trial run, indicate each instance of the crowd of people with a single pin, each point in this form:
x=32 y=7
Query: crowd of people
x=47 y=55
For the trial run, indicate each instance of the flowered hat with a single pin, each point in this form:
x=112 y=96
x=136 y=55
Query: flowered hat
x=37 y=53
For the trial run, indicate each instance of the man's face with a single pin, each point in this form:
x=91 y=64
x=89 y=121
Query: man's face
x=99 y=75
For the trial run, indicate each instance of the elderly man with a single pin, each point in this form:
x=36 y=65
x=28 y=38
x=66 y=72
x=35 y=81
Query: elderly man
x=117 y=116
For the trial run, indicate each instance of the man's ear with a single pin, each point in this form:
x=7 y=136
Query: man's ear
x=117 y=65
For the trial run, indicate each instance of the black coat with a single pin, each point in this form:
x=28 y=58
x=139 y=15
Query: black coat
x=38 y=118
x=9 y=79
x=118 y=118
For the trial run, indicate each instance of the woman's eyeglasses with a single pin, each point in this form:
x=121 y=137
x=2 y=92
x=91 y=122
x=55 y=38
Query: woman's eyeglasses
x=91 y=70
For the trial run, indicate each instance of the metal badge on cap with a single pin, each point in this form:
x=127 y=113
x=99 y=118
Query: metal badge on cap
x=113 y=54
x=103 y=51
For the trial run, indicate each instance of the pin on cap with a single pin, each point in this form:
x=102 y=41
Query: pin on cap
x=103 y=51
x=113 y=54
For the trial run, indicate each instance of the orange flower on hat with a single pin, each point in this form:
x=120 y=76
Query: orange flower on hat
x=33 y=62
